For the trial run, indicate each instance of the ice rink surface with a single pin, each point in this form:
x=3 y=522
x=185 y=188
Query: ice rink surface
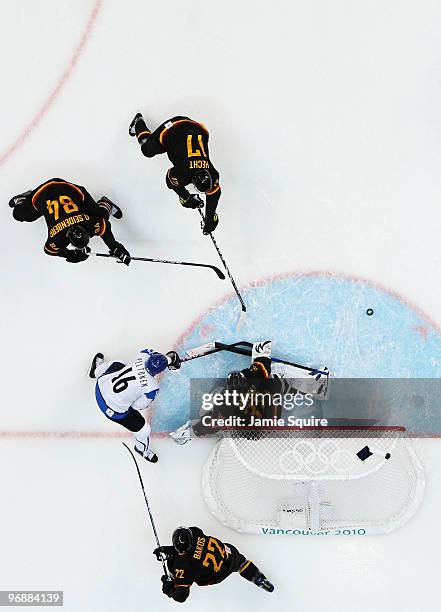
x=324 y=124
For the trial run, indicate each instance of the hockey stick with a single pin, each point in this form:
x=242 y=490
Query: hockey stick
x=230 y=276
x=235 y=348
x=216 y=347
x=166 y=572
x=203 y=350
x=218 y=272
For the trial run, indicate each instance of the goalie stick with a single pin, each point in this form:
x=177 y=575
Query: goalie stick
x=315 y=380
x=216 y=347
x=215 y=269
x=235 y=348
x=203 y=350
x=166 y=572
x=321 y=377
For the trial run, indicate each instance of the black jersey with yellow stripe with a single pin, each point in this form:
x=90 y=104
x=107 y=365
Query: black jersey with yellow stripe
x=57 y=199
x=184 y=138
x=208 y=562
x=64 y=204
x=186 y=144
x=260 y=382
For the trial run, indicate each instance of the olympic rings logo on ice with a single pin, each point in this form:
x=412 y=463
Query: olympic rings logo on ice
x=316 y=459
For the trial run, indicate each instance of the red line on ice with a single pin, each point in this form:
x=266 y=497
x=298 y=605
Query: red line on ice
x=122 y=433
x=57 y=89
x=106 y=435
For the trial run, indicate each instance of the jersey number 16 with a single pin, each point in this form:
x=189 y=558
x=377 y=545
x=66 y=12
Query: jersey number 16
x=121 y=384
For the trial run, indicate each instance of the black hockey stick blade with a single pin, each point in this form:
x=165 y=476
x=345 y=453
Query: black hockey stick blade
x=215 y=269
x=207 y=349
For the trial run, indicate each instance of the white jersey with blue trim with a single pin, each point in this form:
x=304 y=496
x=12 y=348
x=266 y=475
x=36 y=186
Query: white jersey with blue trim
x=132 y=386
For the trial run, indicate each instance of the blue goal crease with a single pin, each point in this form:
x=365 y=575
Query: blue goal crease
x=356 y=329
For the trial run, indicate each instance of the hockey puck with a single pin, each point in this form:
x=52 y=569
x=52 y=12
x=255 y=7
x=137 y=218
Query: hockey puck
x=369 y=312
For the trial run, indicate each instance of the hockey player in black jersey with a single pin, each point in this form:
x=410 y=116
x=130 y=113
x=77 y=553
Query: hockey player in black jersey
x=72 y=217
x=203 y=560
x=186 y=143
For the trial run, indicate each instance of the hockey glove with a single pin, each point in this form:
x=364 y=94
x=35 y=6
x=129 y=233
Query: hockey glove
x=210 y=224
x=19 y=199
x=76 y=255
x=193 y=201
x=168 y=585
x=175 y=360
x=164 y=552
x=121 y=253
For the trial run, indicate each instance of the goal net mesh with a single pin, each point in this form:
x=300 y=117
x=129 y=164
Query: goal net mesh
x=318 y=481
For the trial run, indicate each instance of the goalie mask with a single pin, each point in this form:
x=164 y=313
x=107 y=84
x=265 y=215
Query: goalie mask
x=237 y=381
x=78 y=236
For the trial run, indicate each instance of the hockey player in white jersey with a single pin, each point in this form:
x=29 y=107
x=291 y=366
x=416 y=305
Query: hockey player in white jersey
x=122 y=390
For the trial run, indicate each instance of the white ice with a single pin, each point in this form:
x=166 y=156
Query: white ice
x=324 y=120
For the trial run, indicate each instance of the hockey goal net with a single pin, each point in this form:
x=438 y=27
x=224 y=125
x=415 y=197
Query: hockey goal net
x=323 y=481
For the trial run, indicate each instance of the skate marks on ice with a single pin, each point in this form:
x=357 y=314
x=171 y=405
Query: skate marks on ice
x=314 y=319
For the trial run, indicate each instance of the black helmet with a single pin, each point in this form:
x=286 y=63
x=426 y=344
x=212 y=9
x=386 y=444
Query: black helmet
x=182 y=539
x=202 y=180
x=236 y=381
x=78 y=236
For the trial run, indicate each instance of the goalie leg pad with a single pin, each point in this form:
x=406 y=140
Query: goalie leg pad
x=183 y=434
